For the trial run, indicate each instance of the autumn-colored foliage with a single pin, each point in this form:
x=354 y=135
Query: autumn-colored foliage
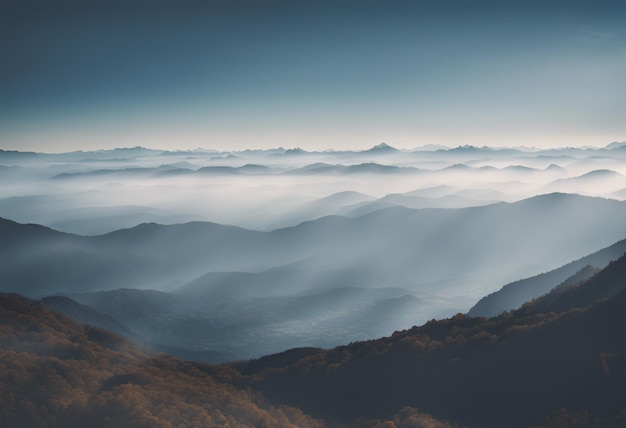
x=57 y=373
x=558 y=361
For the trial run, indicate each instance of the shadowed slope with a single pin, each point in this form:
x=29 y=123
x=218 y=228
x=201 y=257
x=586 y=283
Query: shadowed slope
x=515 y=370
x=58 y=373
x=513 y=295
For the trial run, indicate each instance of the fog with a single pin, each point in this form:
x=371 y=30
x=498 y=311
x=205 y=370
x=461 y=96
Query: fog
x=97 y=192
x=328 y=248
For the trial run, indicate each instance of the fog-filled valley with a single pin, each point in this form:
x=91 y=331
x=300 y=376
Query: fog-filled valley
x=557 y=361
x=230 y=255
x=97 y=192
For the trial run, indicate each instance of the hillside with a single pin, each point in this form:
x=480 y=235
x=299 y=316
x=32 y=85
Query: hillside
x=84 y=314
x=558 y=361
x=227 y=324
x=247 y=293
x=520 y=369
x=513 y=295
x=397 y=247
x=603 y=285
x=56 y=373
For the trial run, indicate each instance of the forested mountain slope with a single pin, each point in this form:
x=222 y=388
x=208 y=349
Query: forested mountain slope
x=513 y=295
x=56 y=373
x=522 y=368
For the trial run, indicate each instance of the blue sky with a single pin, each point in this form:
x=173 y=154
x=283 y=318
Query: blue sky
x=314 y=74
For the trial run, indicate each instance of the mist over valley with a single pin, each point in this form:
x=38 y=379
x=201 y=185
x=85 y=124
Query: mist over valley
x=242 y=254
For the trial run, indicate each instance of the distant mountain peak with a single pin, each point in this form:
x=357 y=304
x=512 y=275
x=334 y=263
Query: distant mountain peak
x=457 y=167
x=382 y=147
x=470 y=148
x=294 y=151
x=519 y=168
x=554 y=167
x=616 y=145
x=601 y=173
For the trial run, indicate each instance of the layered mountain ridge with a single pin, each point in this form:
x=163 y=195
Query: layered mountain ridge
x=230 y=293
x=559 y=360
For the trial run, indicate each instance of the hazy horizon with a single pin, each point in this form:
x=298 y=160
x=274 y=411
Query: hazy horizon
x=320 y=149
x=348 y=75
x=358 y=212
x=325 y=242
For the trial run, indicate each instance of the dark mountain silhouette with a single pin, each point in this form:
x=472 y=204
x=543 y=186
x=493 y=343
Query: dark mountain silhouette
x=85 y=220
x=12 y=232
x=584 y=292
x=71 y=263
x=397 y=247
x=513 y=295
x=445 y=258
x=524 y=368
x=14 y=155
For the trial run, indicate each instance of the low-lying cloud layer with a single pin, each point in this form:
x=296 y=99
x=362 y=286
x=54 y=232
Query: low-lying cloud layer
x=98 y=192
x=336 y=246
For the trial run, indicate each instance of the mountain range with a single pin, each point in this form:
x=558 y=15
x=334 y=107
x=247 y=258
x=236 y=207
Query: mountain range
x=292 y=263
x=92 y=193
x=407 y=247
x=223 y=293
x=559 y=360
x=513 y=295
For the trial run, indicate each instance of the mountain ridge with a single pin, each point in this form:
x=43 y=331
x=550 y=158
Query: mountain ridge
x=517 y=370
x=513 y=295
x=559 y=360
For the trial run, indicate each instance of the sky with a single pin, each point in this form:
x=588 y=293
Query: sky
x=239 y=74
